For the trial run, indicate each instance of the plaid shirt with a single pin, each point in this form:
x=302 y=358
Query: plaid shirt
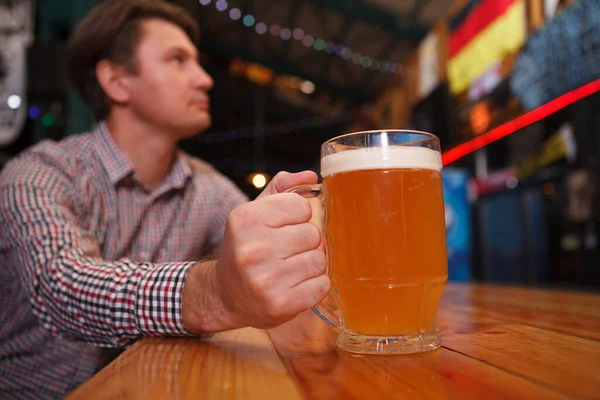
x=89 y=260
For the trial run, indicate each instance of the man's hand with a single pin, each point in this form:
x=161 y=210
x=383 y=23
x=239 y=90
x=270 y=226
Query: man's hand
x=285 y=180
x=271 y=264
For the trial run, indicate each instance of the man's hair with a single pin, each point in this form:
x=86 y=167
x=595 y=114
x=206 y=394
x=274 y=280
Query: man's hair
x=112 y=31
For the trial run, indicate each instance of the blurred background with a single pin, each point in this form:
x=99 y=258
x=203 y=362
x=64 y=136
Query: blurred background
x=509 y=86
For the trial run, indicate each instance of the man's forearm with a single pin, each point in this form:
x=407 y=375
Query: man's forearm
x=203 y=309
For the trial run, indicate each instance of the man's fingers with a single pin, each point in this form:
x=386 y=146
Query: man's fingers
x=308 y=293
x=285 y=180
x=272 y=211
x=302 y=267
x=283 y=209
x=291 y=240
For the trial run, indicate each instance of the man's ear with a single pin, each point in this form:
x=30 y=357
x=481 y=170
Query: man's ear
x=113 y=79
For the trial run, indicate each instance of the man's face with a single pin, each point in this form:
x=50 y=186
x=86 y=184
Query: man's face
x=169 y=88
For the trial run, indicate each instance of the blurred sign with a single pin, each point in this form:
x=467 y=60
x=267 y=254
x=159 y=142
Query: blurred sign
x=580 y=196
x=558 y=146
x=254 y=72
x=15 y=36
x=458 y=223
x=561 y=56
x=495 y=181
x=482 y=33
x=486 y=83
x=428 y=65
x=237 y=67
x=259 y=74
x=480 y=117
x=550 y=8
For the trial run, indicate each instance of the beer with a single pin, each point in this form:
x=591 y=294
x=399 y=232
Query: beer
x=385 y=236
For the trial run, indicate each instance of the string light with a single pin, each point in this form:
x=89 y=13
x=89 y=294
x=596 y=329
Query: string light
x=319 y=44
x=235 y=14
x=285 y=34
x=346 y=53
x=329 y=48
x=308 y=40
x=221 y=5
x=34 y=112
x=261 y=28
x=275 y=29
x=248 y=20
x=48 y=120
x=299 y=34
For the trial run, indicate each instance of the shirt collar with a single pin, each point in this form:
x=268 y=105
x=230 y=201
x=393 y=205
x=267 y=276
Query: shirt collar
x=180 y=172
x=118 y=166
x=115 y=162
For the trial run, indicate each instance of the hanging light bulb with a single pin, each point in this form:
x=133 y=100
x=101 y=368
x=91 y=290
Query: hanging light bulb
x=307 y=87
x=14 y=101
x=259 y=180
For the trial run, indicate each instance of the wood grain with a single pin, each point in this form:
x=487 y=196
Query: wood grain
x=307 y=347
x=564 y=362
x=498 y=343
x=572 y=303
x=240 y=364
x=563 y=322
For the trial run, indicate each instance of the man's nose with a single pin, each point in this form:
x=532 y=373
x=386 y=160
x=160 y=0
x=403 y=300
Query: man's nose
x=202 y=79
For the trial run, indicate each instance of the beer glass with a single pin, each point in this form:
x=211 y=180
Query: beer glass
x=385 y=239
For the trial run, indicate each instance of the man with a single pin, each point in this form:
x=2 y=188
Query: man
x=101 y=233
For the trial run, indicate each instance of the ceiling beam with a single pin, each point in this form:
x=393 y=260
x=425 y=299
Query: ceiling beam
x=414 y=13
x=386 y=21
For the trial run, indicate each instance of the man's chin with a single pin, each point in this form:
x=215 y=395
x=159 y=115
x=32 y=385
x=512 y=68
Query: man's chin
x=198 y=127
x=204 y=122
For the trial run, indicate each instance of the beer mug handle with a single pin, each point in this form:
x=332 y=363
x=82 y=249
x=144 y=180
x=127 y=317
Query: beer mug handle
x=324 y=310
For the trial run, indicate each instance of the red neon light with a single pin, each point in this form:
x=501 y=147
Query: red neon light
x=520 y=122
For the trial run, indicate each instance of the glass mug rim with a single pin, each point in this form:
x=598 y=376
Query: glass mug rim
x=429 y=136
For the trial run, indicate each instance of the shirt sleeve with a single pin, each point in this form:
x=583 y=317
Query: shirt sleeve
x=74 y=292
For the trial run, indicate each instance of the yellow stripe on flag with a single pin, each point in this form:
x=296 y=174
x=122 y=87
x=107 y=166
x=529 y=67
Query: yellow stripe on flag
x=503 y=36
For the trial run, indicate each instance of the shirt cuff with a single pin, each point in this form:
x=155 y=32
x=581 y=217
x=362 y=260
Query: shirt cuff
x=158 y=300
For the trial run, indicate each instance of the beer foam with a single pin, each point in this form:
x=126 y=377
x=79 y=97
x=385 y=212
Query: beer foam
x=381 y=158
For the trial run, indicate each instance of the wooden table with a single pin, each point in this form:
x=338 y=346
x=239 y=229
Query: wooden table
x=498 y=342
